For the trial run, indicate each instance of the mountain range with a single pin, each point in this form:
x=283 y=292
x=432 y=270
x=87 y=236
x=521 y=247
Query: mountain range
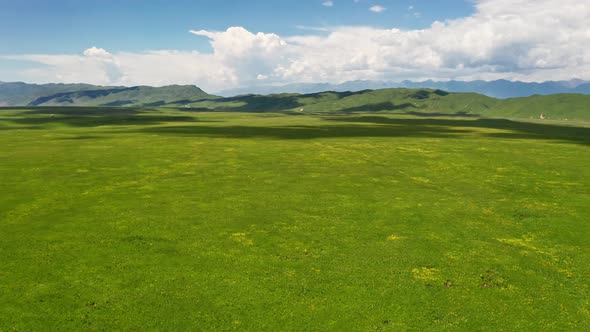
x=23 y=94
x=404 y=101
x=497 y=89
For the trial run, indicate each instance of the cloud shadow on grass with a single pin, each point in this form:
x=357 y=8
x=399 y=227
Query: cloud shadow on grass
x=439 y=125
x=385 y=106
x=377 y=126
x=93 y=117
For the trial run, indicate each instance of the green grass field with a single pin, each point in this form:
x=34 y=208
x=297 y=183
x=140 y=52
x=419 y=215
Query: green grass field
x=139 y=219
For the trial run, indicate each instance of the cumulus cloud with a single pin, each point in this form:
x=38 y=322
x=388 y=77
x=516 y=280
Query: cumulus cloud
x=377 y=9
x=529 y=40
x=96 y=65
x=97 y=52
x=246 y=54
x=328 y=3
x=125 y=68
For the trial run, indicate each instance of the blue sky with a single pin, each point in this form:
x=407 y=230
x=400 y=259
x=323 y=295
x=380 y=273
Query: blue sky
x=219 y=45
x=67 y=26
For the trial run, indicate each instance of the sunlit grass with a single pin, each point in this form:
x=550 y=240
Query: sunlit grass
x=174 y=220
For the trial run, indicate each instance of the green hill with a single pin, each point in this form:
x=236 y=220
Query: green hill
x=133 y=96
x=19 y=93
x=420 y=102
x=425 y=102
x=384 y=100
x=556 y=107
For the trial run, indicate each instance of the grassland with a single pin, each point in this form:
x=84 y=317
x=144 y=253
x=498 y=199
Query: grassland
x=152 y=219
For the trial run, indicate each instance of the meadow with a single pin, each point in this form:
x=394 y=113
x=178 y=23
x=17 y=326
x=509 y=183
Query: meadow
x=174 y=219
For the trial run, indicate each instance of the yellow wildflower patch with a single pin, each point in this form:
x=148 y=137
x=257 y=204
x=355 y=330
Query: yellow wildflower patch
x=242 y=238
x=394 y=238
x=426 y=273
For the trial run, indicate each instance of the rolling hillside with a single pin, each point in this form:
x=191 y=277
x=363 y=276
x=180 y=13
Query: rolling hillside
x=496 y=89
x=556 y=107
x=19 y=94
x=22 y=94
x=133 y=96
x=420 y=102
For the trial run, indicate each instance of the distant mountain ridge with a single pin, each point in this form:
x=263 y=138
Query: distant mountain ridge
x=402 y=101
x=132 y=96
x=412 y=102
x=23 y=94
x=497 y=89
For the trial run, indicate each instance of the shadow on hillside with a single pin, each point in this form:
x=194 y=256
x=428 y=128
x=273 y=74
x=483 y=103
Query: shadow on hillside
x=271 y=103
x=282 y=102
x=120 y=103
x=258 y=104
x=65 y=97
x=375 y=126
x=386 y=106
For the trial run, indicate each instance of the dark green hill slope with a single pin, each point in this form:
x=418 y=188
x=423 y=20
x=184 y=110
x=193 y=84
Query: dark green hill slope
x=417 y=102
x=385 y=100
x=556 y=107
x=133 y=96
x=426 y=102
x=19 y=93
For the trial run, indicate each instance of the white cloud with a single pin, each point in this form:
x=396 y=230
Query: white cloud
x=125 y=68
x=176 y=67
x=377 y=9
x=529 y=40
x=97 y=52
x=96 y=65
x=304 y=27
x=328 y=3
